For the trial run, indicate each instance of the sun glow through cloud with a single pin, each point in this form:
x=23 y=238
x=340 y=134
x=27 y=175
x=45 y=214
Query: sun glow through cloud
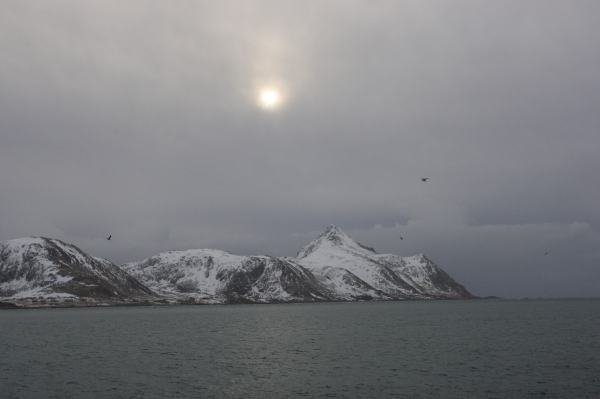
x=269 y=98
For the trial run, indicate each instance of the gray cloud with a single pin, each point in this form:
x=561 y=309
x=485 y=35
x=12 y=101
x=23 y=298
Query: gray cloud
x=140 y=119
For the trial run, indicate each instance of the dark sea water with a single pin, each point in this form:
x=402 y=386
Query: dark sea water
x=437 y=349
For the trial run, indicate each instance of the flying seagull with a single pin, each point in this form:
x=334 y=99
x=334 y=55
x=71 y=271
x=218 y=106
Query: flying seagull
x=424 y=179
x=401 y=238
x=108 y=237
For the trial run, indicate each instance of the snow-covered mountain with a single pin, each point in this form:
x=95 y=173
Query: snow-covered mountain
x=333 y=267
x=48 y=271
x=352 y=270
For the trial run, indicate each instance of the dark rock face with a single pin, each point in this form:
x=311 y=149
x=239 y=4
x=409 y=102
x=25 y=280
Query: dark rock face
x=299 y=283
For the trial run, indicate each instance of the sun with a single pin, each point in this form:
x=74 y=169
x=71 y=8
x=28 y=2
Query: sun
x=269 y=98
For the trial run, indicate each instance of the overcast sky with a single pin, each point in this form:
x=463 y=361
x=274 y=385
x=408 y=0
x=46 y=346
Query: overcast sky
x=140 y=119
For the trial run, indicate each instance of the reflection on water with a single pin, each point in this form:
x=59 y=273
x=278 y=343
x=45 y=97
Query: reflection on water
x=450 y=349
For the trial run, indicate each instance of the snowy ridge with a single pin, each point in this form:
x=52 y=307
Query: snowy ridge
x=213 y=276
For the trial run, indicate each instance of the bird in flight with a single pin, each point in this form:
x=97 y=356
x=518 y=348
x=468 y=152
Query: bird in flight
x=401 y=238
x=546 y=253
x=108 y=237
x=424 y=179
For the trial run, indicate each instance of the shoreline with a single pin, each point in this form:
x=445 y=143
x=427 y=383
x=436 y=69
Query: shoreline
x=5 y=305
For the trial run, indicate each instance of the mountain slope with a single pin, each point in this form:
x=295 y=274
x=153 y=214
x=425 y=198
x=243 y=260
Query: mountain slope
x=44 y=269
x=425 y=276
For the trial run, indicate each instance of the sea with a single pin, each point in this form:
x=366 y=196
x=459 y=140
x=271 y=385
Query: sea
x=407 y=349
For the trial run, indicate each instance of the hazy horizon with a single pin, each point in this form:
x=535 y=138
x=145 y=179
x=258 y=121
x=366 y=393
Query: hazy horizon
x=140 y=119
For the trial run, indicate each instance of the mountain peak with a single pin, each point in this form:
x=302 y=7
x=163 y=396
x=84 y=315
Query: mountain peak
x=333 y=232
x=332 y=228
x=333 y=237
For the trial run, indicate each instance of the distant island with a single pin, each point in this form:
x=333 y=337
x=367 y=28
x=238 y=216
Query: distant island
x=46 y=272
